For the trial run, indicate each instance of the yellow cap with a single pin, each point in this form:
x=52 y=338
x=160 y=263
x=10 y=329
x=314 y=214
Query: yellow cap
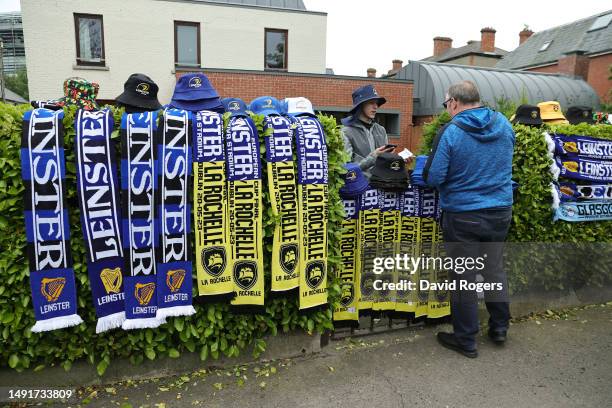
x=550 y=112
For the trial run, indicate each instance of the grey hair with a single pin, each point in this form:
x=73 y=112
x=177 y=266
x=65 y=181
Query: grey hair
x=465 y=92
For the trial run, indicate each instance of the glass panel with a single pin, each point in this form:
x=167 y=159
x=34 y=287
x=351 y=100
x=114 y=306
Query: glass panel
x=601 y=22
x=187 y=44
x=90 y=39
x=275 y=50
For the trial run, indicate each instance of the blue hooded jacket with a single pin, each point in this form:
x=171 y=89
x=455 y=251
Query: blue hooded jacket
x=471 y=161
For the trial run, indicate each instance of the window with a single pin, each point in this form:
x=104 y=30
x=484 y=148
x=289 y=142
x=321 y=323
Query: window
x=89 y=33
x=276 y=49
x=601 y=22
x=545 y=46
x=186 y=43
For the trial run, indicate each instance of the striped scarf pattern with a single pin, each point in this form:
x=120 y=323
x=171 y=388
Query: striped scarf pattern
x=139 y=235
x=174 y=270
x=46 y=220
x=98 y=189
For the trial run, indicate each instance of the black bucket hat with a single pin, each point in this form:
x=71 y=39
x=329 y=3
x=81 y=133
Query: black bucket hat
x=579 y=114
x=527 y=115
x=139 y=94
x=389 y=173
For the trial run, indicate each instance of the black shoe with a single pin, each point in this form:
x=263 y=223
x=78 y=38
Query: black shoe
x=448 y=340
x=498 y=336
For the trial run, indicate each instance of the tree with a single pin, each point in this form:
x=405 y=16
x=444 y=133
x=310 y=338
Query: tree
x=18 y=83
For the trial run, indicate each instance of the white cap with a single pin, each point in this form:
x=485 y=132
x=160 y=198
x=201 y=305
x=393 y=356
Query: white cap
x=298 y=106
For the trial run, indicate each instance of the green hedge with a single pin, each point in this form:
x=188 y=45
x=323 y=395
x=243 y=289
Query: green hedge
x=212 y=331
x=532 y=220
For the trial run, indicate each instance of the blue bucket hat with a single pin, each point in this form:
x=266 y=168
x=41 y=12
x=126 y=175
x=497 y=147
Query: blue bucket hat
x=355 y=182
x=364 y=94
x=192 y=87
x=265 y=105
x=235 y=106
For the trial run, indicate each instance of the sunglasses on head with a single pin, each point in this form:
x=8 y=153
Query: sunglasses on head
x=445 y=103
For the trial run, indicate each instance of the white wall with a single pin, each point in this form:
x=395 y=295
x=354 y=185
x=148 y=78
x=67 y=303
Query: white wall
x=139 y=37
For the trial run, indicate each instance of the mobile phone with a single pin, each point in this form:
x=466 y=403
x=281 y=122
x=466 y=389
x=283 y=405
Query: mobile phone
x=389 y=146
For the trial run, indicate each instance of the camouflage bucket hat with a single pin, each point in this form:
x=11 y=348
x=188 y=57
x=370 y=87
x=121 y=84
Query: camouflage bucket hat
x=79 y=92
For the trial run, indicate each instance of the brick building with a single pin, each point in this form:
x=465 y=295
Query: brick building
x=481 y=53
x=248 y=48
x=581 y=48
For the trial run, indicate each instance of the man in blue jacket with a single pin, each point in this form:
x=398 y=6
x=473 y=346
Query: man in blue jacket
x=471 y=166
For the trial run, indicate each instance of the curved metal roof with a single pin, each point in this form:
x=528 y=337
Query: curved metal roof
x=432 y=80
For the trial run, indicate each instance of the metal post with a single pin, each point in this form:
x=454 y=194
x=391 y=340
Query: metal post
x=2 y=70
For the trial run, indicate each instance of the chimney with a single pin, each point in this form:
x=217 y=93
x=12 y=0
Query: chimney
x=524 y=35
x=441 y=45
x=371 y=72
x=487 y=39
x=574 y=63
x=397 y=65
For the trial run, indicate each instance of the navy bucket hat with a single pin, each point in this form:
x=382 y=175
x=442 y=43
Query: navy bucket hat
x=235 y=106
x=355 y=182
x=364 y=94
x=191 y=87
x=265 y=105
x=194 y=92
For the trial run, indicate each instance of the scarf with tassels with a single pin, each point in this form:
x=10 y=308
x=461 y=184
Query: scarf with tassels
x=578 y=168
x=214 y=272
x=584 y=146
x=312 y=195
x=174 y=278
x=245 y=217
x=98 y=189
x=43 y=170
x=283 y=199
x=138 y=183
x=347 y=314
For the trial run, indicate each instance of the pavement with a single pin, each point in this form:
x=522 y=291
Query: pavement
x=555 y=359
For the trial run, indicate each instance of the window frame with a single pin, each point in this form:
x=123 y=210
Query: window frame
x=178 y=23
x=79 y=61
x=545 y=46
x=286 y=61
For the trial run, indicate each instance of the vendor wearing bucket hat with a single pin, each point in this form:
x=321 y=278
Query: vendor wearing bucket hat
x=139 y=94
x=78 y=92
x=551 y=113
x=355 y=183
x=527 y=115
x=194 y=92
x=364 y=139
x=235 y=106
x=580 y=114
x=389 y=173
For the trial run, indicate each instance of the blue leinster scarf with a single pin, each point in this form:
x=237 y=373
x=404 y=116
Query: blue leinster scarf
x=43 y=170
x=174 y=279
x=583 y=146
x=98 y=190
x=579 y=168
x=139 y=235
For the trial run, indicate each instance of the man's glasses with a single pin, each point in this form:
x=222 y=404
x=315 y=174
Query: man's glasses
x=445 y=103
